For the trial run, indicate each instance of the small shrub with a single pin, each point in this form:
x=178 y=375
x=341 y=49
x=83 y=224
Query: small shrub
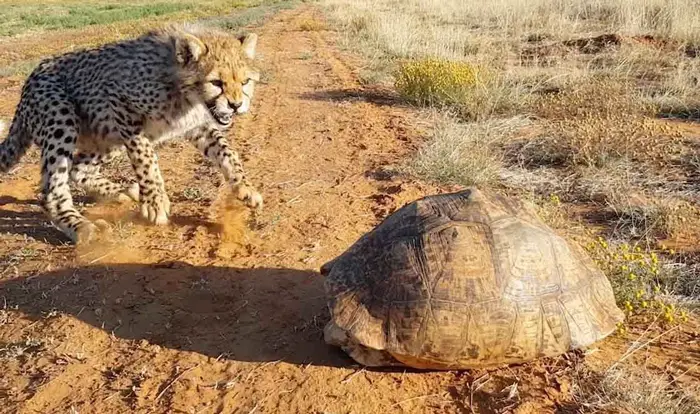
x=437 y=81
x=641 y=279
x=456 y=155
x=643 y=221
x=624 y=390
x=463 y=153
x=471 y=92
x=550 y=211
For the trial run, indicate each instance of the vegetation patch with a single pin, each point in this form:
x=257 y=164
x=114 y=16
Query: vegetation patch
x=438 y=81
x=644 y=281
x=17 y=17
x=624 y=390
x=462 y=154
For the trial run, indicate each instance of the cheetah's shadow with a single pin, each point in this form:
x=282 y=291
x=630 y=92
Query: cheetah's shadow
x=32 y=222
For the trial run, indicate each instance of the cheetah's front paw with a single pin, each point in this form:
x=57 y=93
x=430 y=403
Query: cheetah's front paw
x=130 y=193
x=88 y=232
x=156 y=208
x=249 y=196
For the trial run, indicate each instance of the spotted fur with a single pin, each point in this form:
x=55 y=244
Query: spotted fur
x=82 y=108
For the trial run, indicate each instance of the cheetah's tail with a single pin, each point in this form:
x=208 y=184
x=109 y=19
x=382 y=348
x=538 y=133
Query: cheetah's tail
x=13 y=147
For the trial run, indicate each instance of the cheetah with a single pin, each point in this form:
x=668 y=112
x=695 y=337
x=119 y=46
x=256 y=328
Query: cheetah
x=82 y=108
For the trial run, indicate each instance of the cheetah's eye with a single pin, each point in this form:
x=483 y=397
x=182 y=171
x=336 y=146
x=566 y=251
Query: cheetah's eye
x=218 y=83
x=247 y=81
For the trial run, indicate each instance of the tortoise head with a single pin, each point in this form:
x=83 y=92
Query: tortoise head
x=326 y=268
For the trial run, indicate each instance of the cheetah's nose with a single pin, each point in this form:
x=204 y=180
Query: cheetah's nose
x=235 y=105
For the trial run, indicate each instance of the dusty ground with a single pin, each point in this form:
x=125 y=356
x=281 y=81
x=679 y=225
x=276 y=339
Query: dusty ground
x=216 y=314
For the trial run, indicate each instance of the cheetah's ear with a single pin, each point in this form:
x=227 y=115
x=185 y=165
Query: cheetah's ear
x=190 y=48
x=248 y=44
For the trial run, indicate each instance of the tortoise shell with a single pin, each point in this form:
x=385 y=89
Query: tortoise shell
x=462 y=280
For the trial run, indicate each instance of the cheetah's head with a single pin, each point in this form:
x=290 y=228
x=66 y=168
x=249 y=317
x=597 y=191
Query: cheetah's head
x=225 y=76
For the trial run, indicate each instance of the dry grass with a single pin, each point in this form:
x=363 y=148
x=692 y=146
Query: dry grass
x=435 y=27
x=592 y=72
x=462 y=154
x=622 y=390
x=538 y=45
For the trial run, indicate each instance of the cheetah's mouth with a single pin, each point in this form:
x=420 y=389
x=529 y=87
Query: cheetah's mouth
x=222 y=118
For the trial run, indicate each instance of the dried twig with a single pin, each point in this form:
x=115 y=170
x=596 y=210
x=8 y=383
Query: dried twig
x=351 y=376
x=420 y=397
x=633 y=349
x=167 y=387
x=479 y=382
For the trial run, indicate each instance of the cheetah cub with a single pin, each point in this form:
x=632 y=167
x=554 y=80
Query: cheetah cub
x=82 y=108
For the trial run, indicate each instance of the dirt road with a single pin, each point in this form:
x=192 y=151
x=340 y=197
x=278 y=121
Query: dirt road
x=215 y=313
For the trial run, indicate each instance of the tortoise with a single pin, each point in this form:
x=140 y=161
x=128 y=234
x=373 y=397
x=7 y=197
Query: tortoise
x=461 y=281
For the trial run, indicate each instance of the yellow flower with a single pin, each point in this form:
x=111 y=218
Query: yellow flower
x=644 y=304
x=672 y=251
x=657 y=289
x=624 y=247
x=554 y=199
x=624 y=268
x=637 y=249
x=632 y=276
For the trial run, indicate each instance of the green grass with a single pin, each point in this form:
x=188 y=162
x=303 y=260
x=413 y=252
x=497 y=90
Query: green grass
x=21 y=17
x=17 y=17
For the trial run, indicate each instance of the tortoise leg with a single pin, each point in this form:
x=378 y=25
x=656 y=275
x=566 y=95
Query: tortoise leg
x=334 y=335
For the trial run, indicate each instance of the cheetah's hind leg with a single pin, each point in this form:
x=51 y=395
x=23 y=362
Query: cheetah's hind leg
x=57 y=142
x=86 y=174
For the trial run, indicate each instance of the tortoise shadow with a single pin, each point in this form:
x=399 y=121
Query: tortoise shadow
x=262 y=314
